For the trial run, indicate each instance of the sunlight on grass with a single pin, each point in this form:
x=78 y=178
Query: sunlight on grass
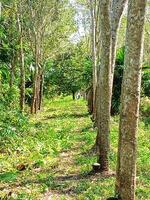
x=57 y=159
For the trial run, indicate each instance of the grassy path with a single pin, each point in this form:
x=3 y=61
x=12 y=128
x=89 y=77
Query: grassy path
x=55 y=158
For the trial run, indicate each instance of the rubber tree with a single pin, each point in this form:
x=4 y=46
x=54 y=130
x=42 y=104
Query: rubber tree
x=94 y=33
x=109 y=25
x=48 y=34
x=37 y=19
x=21 y=56
x=104 y=85
x=117 y=9
x=130 y=98
x=0 y=8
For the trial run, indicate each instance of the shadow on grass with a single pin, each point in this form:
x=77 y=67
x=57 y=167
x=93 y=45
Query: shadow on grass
x=87 y=128
x=90 y=152
x=51 y=110
x=63 y=184
x=8 y=177
x=66 y=115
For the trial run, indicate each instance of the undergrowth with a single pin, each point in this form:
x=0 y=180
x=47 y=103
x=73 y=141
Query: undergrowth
x=53 y=158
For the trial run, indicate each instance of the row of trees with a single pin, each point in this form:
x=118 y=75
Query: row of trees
x=69 y=73
x=32 y=33
x=39 y=55
x=105 y=20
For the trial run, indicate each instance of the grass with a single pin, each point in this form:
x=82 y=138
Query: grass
x=56 y=157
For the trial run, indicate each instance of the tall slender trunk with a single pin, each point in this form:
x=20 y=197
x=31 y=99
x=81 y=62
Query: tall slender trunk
x=73 y=95
x=35 y=83
x=34 y=96
x=38 y=91
x=37 y=75
x=21 y=63
x=22 y=77
x=0 y=9
x=93 y=47
x=12 y=74
x=41 y=90
x=36 y=34
x=126 y=165
x=117 y=11
x=104 y=83
x=117 y=8
x=89 y=95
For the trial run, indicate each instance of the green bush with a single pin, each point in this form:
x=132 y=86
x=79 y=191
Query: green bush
x=145 y=110
x=28 y=95
x=9 y=96
x=118 y=74
x=146 y=82
x=12 y=121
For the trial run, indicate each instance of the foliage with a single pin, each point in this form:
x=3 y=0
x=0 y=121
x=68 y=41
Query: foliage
x=12 y=123
x=9 y=96
x=146 y=81
x=44 y=25
x=12 y=120
x=69 y=72
x=9 y=39
x=118 y=75
x=145 y=110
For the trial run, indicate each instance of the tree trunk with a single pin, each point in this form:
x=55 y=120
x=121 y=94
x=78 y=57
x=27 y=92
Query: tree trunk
x=33 y=104
x=117 y=11
x=0 y=9
x=38 y=91
x=35 y=86
x=73 y=95
x=41 y=90
x=126 y=165
x=117 y=8
x=12 y=73
x=104 y=86
x=93 y=47
x=21 y=59
x=22 y=78
x=36 y=81
x=89 y=97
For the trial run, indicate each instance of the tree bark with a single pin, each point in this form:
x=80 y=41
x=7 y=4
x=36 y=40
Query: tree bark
x=12 y=68
x=93 y=47
x=104 y=86
x=21 y=60
x=22 y=77
x=34 y=97
x=0 y=9
x=12 y=73
x=34 y=106
x=41 y=90
x=117 y=9
x=73 y=95
x=89 y=97
x=126 y=165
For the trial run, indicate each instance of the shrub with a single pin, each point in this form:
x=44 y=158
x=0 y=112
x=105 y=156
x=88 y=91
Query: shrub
x=146 y=82
x=118 y=74
x=9 y=96
x=12 y=121
x=145 y=110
